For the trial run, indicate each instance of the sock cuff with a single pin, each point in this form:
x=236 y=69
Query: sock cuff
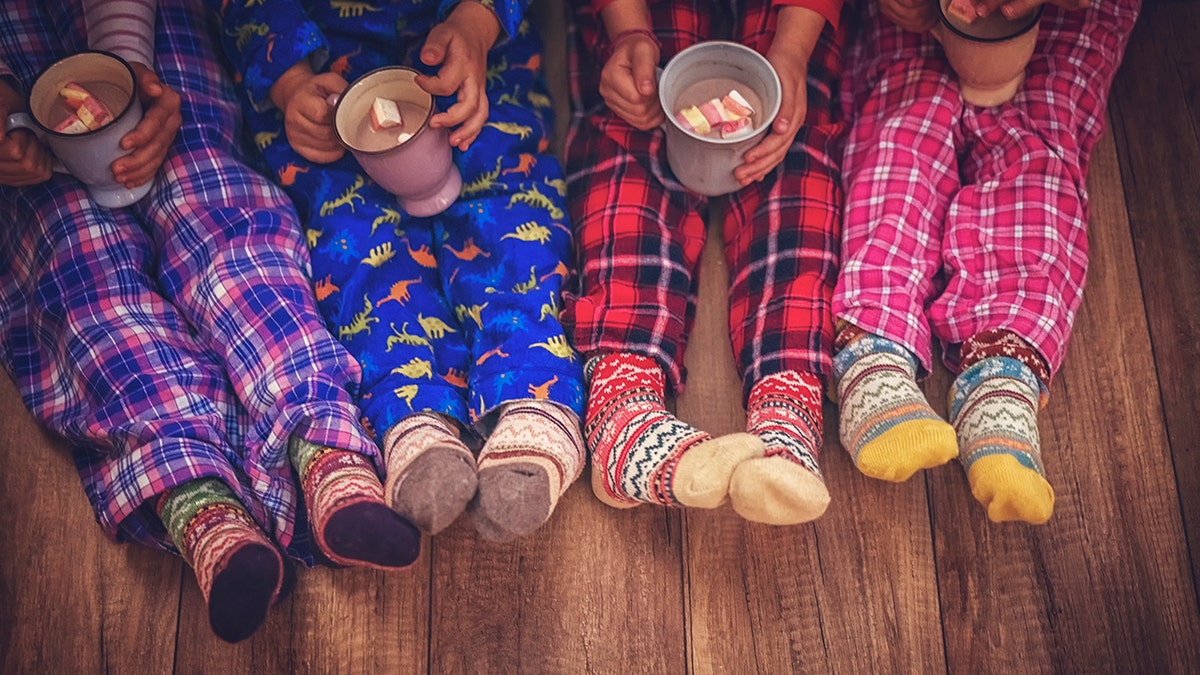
x=969 y=381
x=865 y=346
x=179 y=507
x=630 y=369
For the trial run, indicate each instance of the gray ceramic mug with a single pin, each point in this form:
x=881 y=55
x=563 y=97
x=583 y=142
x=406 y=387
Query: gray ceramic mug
x=701 y=72
x=87 y=156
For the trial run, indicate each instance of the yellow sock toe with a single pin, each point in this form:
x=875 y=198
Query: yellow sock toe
x=1010 y=491
x=703 y=473
x=776 y=491
x=907 y=448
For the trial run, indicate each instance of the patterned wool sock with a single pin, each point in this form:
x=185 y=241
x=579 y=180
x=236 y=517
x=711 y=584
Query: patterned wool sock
x=641 y=453
x=239 y=570
x=993 y=405
x=887 y=425
x=532 y=456
x=785 y=486
x=430 y=471
x=351 y=523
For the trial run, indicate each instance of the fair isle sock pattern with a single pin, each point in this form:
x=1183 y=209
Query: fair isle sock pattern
x=784 y=410
x=877 y=390
x=993 y=407
x=635 y=443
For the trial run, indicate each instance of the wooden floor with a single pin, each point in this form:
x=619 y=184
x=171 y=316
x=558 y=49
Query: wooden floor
x=894 y=578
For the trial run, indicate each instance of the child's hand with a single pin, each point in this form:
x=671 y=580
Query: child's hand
x=150 y=140
x=628 y=83
x=917 y=16
x=307 y=116
x=460 y=46
x=791 y=64
x=1012 y=9
x=23 y=158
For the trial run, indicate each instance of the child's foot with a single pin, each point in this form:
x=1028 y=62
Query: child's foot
x=641 y=453
x=785 y=486
x=350 y=521
x=238 y=569
x=887 y=425
x=993 y=405
x=534 y=454
x=431 y=474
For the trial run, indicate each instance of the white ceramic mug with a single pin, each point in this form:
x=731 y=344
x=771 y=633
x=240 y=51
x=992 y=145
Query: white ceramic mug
x=701 y=72
x=420 y=169
x=87 y=156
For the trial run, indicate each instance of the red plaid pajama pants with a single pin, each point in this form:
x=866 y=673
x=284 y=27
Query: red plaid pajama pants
x=639 y=234
x=961 y=219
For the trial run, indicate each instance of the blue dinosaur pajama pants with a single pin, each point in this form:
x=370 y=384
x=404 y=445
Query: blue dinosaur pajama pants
x=454 y=313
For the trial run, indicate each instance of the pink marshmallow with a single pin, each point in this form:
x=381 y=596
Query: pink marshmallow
x=385 y=114
x=71 y=125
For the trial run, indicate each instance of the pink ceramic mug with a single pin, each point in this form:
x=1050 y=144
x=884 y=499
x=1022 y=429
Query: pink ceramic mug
x=989 y=54
x=87 y=156
x=418 y=166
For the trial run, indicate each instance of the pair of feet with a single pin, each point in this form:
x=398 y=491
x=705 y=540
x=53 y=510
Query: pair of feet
x=531 y=457
x=241 y=572
x=891 y=431
x=641 y=453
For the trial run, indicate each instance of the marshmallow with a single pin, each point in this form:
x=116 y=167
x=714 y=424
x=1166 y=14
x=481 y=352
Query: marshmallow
x=737 y=104
x=693 y=120
x=385 y=114
x=404 y=136
x=728 y=116
x=89 y=110
x=963 y=10
x=71 y=125
x=734 y=128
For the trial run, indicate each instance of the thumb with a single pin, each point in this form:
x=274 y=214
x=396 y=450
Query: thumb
x=436 y=45
x=787 y=101
x=643 y=69
x=1018 y=8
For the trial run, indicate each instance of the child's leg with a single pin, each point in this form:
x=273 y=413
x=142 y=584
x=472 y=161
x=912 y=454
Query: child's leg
x=239 y=570
x=638 y=239
x=782 y=236
x=993 y=406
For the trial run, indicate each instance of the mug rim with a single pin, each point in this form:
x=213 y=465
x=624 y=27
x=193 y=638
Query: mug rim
x=1033 y=21
x=357 y=81
x=768 y=120
x=82 y=52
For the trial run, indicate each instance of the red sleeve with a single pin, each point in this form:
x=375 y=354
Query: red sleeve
x=830 y=9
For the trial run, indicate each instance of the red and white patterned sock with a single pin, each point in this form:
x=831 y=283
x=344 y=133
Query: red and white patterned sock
x=784 y=487
x=641 y=453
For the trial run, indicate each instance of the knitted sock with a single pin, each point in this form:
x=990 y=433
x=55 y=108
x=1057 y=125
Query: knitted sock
x=351 y=523
x=886 y=424
x=430 y=472
x=785 y=486
x=993 y=405
x=237 y=567
x=534 y=454
x=641 y=453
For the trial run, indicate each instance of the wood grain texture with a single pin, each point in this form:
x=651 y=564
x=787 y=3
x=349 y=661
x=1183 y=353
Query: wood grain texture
x=596 y=590
x=854 y=591
x=1156 y=121
x=1105 y=584
x=70 y=599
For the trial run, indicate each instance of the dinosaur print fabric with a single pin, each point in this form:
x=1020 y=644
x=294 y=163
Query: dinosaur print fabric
x=454 y=313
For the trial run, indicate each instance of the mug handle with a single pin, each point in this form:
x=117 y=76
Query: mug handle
x=22 y=120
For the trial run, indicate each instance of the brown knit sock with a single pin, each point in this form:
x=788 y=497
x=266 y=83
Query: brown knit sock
x=430 y=472
x=529 y=461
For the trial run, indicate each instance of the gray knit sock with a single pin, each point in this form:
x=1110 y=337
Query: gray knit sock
x=430 y=472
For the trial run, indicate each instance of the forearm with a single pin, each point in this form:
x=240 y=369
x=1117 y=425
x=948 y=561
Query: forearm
x=123 y=27
x=797 y=30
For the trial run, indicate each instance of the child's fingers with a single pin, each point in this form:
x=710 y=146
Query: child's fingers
x=437 y=45
x=1018 y=8
x=466 y=107
x=469 y=131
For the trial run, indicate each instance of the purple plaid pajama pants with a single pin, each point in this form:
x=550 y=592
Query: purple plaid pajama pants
x=179 y=338
x=961 y=219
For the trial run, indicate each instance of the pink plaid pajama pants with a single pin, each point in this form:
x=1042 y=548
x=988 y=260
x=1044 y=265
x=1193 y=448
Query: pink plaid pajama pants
x=961 y=219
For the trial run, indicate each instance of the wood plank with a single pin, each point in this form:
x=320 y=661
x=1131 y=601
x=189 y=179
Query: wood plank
x=1156 y=120
x=595 y=590
x=70 y=599
x=811 y=598
x=1104 y=586
x=344 y=620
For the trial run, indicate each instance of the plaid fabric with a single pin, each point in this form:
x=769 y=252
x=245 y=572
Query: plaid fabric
x=179 y=338
x=640 y=234
x=454 y=313
x=962 y=219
